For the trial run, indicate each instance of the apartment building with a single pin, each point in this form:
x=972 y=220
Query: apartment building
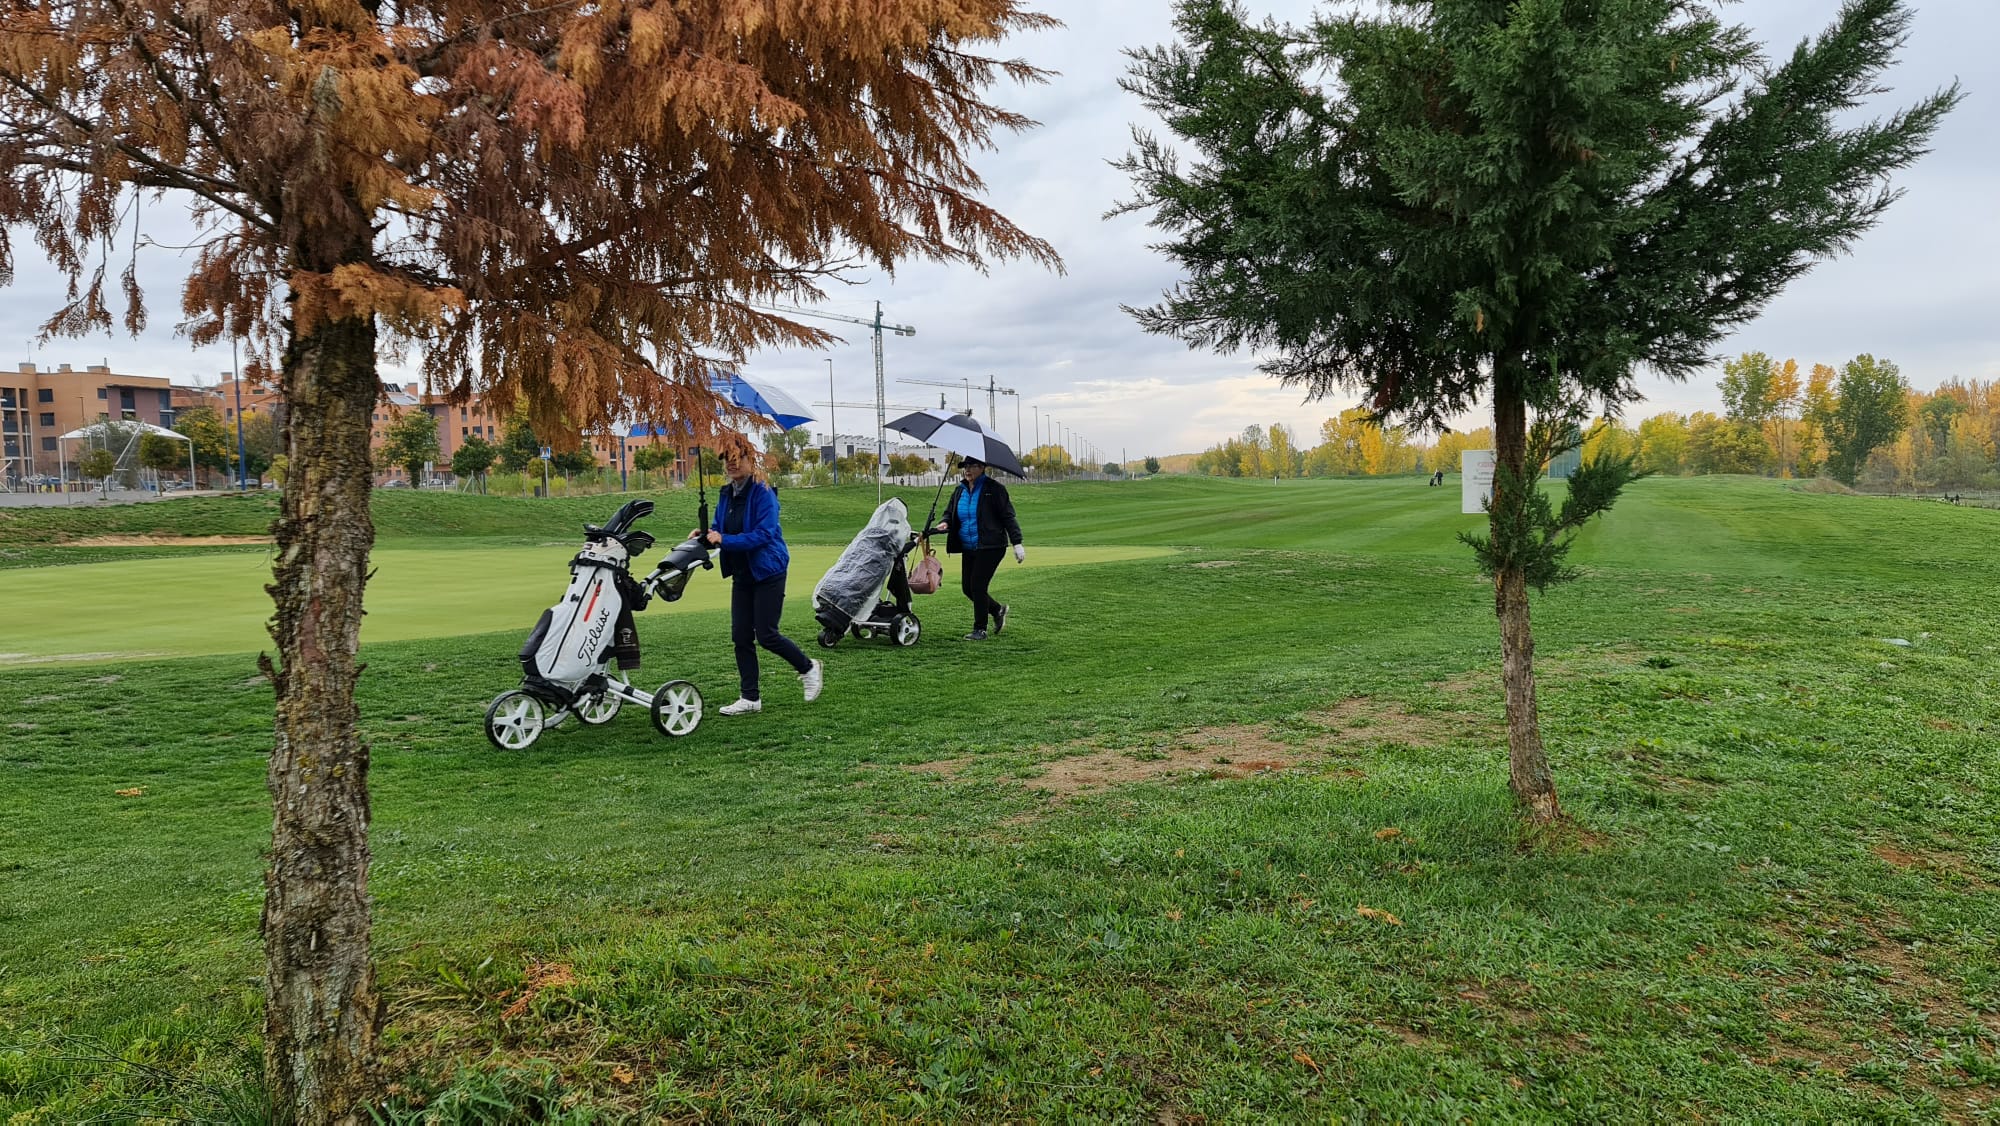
x=454 y=423
x=37 y=407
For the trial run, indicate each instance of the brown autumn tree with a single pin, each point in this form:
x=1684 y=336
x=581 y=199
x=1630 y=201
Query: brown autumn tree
x=563 y=204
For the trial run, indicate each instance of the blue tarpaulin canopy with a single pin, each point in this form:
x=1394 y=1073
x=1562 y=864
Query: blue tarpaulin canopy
x=739 y=391
x=760 y=398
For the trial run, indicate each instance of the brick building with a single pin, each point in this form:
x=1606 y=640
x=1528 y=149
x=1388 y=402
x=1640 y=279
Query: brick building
x=37 y=407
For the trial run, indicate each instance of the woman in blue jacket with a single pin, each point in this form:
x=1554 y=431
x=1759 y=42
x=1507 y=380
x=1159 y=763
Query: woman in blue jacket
x=754 y=557
x=980 y=521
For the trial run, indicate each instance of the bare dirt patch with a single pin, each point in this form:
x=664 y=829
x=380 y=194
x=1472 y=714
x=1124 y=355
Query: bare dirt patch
x=1232 y=751
x=1473 y=688
x=1895 y=856
x=1359 y=719
x=1217 y=752
x=166 y=541
x=1869 y=942
x=950 y=767
x=1210 y=563
x=1938 y=865
x=1238 y=751
x=50 y=658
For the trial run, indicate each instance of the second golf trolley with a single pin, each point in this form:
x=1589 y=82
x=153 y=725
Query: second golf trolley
x=576 y=661
x=866 y=592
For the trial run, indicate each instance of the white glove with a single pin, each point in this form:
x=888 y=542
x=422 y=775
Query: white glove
x=1020 y=554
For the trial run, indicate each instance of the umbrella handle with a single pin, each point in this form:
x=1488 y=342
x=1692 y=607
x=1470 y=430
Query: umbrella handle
x=932 y=518
x=701 y=484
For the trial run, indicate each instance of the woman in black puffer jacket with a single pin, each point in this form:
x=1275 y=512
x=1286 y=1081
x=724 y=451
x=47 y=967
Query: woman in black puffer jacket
x=981 y=523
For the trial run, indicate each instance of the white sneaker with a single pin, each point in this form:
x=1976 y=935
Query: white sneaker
x=743 y=707
x=811 y=679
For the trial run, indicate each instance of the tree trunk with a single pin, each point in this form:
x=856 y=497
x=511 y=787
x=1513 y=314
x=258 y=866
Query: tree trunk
x=1528 y=772
x=321 y=1011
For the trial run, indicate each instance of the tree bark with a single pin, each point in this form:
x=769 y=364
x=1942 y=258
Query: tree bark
x=1528 y=771
x=321 y=1010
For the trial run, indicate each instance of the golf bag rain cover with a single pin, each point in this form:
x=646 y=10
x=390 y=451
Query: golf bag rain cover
x=850 y=586
x=592 y=622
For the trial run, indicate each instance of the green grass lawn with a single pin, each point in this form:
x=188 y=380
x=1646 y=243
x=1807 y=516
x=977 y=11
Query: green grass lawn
x=1110 y=865
x=215 y=602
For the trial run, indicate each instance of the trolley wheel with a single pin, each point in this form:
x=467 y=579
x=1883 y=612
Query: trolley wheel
x=906 y=630
x=863 y=632
x=603 y=707
x=828 y=638
x=677 y=708
x=514 y=720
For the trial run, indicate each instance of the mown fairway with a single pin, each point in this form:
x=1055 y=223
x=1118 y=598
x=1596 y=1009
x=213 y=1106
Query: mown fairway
x=1107 y=866
x=183 y=606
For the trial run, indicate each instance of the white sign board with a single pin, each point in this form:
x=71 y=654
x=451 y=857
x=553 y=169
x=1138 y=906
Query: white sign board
x=1476 y=480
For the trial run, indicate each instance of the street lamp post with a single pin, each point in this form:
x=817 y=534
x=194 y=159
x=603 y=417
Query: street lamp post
x=832 y=442
x=236 y=382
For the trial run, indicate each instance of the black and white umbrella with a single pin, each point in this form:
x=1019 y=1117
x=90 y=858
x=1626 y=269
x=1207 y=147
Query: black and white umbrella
x=960 y=434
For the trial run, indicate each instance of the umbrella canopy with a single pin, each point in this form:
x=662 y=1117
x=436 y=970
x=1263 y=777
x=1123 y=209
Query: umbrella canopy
x=960 y=434
x=759 y=398
x=99 y=429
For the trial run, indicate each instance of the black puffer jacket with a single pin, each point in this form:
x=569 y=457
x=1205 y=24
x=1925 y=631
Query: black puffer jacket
x=996 y=510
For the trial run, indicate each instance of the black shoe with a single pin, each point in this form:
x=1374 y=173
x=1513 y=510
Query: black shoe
x=976 y=635
x=999 y=618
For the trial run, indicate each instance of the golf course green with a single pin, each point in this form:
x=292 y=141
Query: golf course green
x=204 y=604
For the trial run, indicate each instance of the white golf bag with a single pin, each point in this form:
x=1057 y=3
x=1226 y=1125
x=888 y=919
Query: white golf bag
x=574 y=662
x=591 y=624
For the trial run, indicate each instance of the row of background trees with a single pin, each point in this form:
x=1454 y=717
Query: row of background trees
x=1860 y=424
x=411 y=442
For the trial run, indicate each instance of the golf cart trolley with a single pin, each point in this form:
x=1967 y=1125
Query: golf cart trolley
x=576 y=660
x=867 y=590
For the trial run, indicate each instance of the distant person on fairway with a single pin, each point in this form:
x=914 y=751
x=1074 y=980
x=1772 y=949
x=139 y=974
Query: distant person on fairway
x=981 y=523
x=754 y=556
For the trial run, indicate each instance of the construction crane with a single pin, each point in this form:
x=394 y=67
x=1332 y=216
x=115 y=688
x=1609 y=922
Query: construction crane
x=993 y=391
x=833 y=427
x=881 y=415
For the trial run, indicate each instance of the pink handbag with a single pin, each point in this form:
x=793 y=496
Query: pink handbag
x=928 y=575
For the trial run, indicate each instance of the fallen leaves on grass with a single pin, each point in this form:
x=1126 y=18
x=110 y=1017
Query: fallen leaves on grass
x=1387 y=834
x=541 y=975
x=622 y=1074
x=1367 y=912
x=131 y=793
x=1303 y=1058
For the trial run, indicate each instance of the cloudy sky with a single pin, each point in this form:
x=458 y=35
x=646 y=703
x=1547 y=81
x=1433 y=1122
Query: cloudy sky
x=1922 y=289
